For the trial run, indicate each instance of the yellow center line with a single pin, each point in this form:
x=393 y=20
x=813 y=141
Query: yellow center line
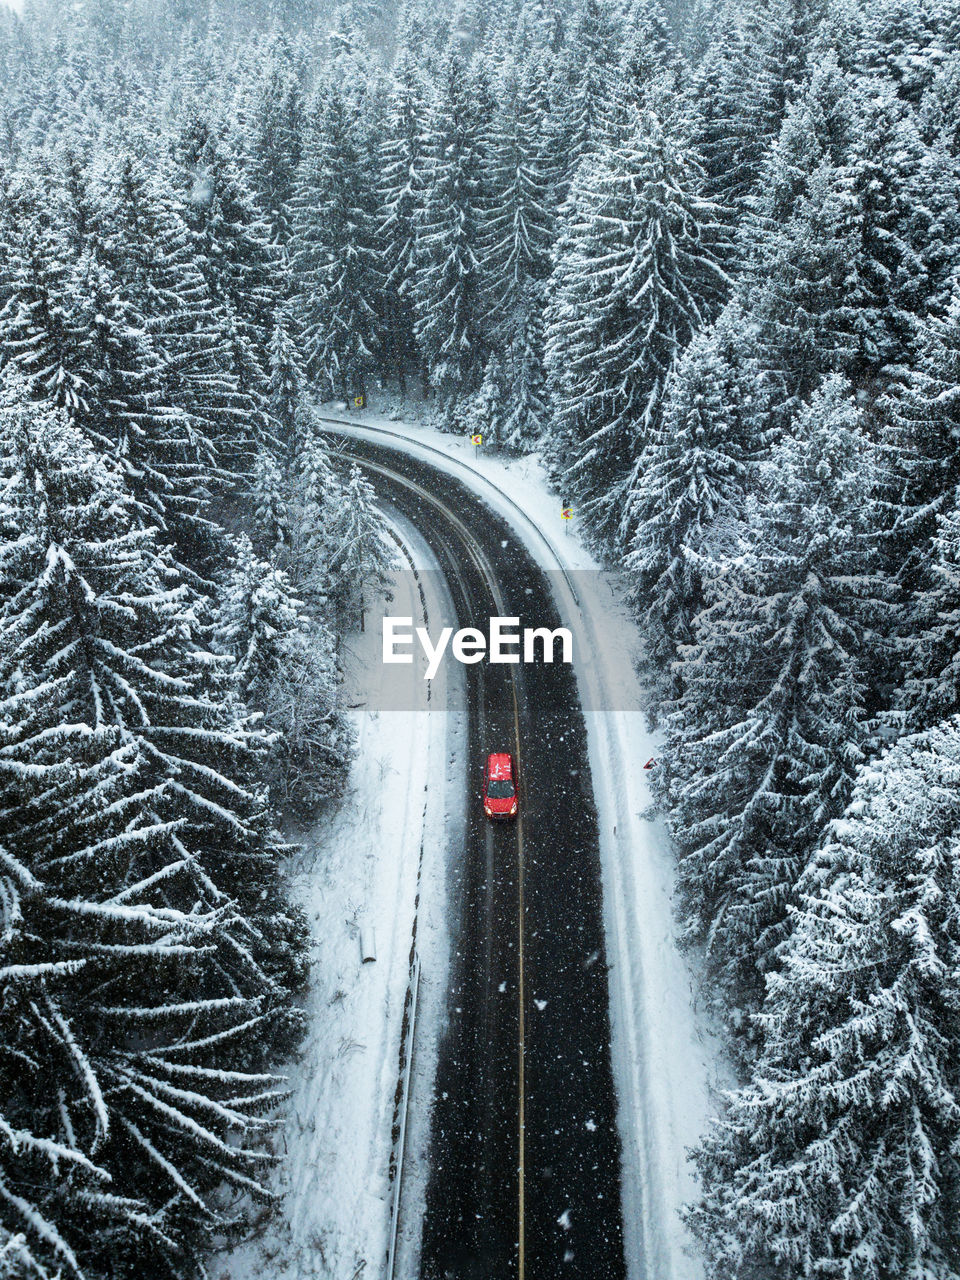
x=521 y=1207
x=476 y=553
x=485 y=569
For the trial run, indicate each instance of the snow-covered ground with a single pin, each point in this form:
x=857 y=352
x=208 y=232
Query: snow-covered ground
x=372 y=867
x=666 y=1061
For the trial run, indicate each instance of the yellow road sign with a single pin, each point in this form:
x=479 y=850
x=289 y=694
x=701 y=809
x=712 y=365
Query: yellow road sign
x=566 y=513
x=476 y=439
x=360 y=401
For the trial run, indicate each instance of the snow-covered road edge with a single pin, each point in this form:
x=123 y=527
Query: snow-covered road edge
x=664 y=1059
x=358 y=867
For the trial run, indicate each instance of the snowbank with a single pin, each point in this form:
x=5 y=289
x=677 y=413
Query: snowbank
x=374 y=866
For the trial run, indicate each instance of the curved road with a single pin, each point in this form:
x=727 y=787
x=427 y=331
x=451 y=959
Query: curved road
x=525 y=1159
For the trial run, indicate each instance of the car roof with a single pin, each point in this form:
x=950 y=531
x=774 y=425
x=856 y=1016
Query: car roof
x=499 y=765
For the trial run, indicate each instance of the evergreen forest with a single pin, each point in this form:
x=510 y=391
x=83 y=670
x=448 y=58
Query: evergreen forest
x=704 y=258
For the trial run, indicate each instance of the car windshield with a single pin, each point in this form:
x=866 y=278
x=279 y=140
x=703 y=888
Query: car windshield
x=500 y=789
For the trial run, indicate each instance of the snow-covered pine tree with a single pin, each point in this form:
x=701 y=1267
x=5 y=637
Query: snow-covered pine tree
x=54 y=1192
x=448 y=283
x=123 y=377
x=817 y=129
x=923 y=417
x=909 y=207
x=256 y=612
x=333 y=250
x=761 y=63
x=485 y=411
x=839 y=1156
x=938 y=113
x=360 y=559
x=275 y=139
x=146 y=669
x=287 y=669
x=794 y=42
x=129 y=781
x=538 y=30
x=359 y=20
x=213 y=424
x=76 y=209
x=313 y=493
x=37 y=333
x=287 y=379
x=948 y=24
x=524 y=409
x=903 y=40
x=806 y=292
x=712 y=87
x=583 y=94
x=931 y=649
x=517 y=233
x=775 y=691
x=72 y=331
x=402 y=165
x=270 y=493
x=637 y=273
x=518 y=224
x=695 y=29
x=422 y=33
x=230 y=244
x=693 y=480
x=470 y=22
x=891 y=250
x=649 y=54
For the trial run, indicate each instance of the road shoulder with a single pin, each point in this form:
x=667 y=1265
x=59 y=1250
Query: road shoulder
x=367 y=871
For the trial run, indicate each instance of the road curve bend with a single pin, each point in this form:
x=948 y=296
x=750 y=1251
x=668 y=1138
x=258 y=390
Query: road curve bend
x=525 y=1176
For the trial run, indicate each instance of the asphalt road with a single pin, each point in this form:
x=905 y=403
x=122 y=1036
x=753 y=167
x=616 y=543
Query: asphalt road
x=525 y=1156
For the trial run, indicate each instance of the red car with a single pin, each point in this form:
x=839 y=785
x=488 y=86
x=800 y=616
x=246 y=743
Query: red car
x=499 y=786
